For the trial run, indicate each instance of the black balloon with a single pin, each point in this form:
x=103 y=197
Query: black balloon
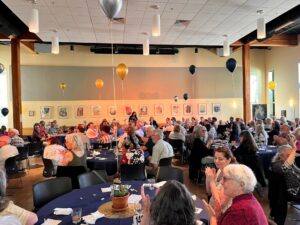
x=192 y=69
x=4 y=111
x=231 y=64
x=185 y=96
x=1 y=67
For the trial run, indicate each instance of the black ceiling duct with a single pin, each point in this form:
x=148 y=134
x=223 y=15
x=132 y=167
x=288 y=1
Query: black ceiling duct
x=133 y=49
x=287 y=23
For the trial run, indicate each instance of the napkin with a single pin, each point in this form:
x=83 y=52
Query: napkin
x=89 y=157
x=198 y=210
x=91 y=218
x=159 y=184
x=62 y=211
x=108 y=189
x=133 y=198
x=100 y=158
x=194 y=197
x=51 y=222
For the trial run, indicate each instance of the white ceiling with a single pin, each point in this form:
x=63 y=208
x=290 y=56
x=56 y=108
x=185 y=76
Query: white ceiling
x=84 y=21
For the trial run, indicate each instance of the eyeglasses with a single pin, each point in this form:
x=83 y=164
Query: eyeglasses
x=226 y=178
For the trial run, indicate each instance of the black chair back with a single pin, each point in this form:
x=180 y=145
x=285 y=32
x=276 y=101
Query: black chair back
x=48 y=168
x=133 y=172
x=169 y=173
x=178 y=145
x=165 y=162
x=45 y=191
x=92 y=178
x=11 y=166
x=35 y=148
x=72 y=172
x=23 y=153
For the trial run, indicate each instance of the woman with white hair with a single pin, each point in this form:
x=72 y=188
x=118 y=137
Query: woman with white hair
x=261 y=136
x=238 y=183
x=8 y=208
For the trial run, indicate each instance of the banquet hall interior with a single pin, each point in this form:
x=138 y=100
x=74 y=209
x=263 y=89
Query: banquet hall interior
x=75 y=62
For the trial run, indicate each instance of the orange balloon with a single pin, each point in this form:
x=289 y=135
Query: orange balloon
x=122 y=71
x=99 y=83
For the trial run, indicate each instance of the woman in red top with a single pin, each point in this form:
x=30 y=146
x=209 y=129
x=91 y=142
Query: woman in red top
x=239 y=183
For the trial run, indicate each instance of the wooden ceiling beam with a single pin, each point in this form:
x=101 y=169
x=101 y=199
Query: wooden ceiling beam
x=276 y=41
x=29 y=46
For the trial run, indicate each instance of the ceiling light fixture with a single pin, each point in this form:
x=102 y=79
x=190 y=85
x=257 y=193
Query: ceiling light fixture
x=261 y=26
x=196 y=50
x=55 y=44
x=146 y=47
x=34 y=20
x=155 y=22
x=226 y=47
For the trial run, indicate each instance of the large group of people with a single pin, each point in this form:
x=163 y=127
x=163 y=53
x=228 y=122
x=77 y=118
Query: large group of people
x=232 y=170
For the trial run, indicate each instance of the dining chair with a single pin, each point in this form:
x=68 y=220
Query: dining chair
x=92 y=178
x=72 y=172
x=48 y=168
x=12 y=170
x=178 y=148
x=45 y=191
x=133 y=172
x=165 y=162
x=23 y=155
x=165 y=173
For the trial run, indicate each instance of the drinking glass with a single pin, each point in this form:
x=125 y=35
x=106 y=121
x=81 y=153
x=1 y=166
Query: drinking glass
x=76 y=215
x=151 y=182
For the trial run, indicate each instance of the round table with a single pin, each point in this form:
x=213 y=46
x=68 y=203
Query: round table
x=90 y=198
x=106 y=160
x=266 y=154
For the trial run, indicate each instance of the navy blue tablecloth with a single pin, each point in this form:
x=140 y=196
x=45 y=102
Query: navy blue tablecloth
x=109 y=164
x=90 y=198
x=266 y=154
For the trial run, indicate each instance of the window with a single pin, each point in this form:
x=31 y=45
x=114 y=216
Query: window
x=3 y=97
x=271 y=95
x=254 y=93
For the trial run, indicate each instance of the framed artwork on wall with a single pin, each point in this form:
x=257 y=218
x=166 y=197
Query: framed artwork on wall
x=202 y=109
x=143 y=110
x=259 y=111
x=80 y=111
x=188 y=109
x=63 y=112
x=31 y=113
x=112 y=110
x=95 y=110
x=216 y=108
x=46 y=112
x=175 y=109
x=158 y=109
x=128 y=110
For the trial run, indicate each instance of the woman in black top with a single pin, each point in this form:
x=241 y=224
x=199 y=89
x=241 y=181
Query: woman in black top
x=275 y=131
x=246 y=154
x=133 y=118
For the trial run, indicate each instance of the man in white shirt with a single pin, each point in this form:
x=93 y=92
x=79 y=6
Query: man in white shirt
x=161 y=150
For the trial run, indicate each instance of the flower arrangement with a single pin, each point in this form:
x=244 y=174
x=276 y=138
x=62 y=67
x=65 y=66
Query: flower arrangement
x=119 y=196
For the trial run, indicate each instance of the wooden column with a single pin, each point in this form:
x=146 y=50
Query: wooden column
x=246 y=83
x=16 y=83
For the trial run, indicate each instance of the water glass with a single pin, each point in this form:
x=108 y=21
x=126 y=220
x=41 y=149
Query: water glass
x=76 y=215
x=151 y=182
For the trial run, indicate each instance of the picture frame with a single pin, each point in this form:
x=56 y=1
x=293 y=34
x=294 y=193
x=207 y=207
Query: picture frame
x=175 y=109
x=188 y=109
x=63 y=112
x=46 y=112
x=31 y=113
x=202 y=109
x=259 y=111
x=158 y=109
x=216 y=108
x=143 y=110
x=283 y=112
x=95 y=110
x=128 y=110
x=80 y=111
x=112 y=110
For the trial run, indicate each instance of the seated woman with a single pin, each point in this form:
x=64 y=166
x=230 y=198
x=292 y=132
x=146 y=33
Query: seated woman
x=36 y=133
x=239 y=183
x=173 y=205
x=176 y=134
x=54 y=151
x=261 y=136
x=200 y=149
x=7 y=207
x=76 y=156
x=273 y=132
x=246 y=154
x=6 y=150
x=222 y=157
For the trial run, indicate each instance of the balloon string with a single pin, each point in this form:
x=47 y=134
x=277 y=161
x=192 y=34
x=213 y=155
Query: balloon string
x=112 y=61
x=123 y=93
x=233 y=86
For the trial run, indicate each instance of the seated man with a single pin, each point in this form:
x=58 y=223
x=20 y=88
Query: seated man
x=148 y=144
x=6 y=150
x=176 y=134
x=15 y=140
x=161 y=150
x=105 y=137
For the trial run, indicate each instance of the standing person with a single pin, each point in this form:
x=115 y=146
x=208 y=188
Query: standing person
x=91 y=131
x=85 y=140
x=239 y=183
x=7 y=207
x=133 y=118
x=161 y=150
